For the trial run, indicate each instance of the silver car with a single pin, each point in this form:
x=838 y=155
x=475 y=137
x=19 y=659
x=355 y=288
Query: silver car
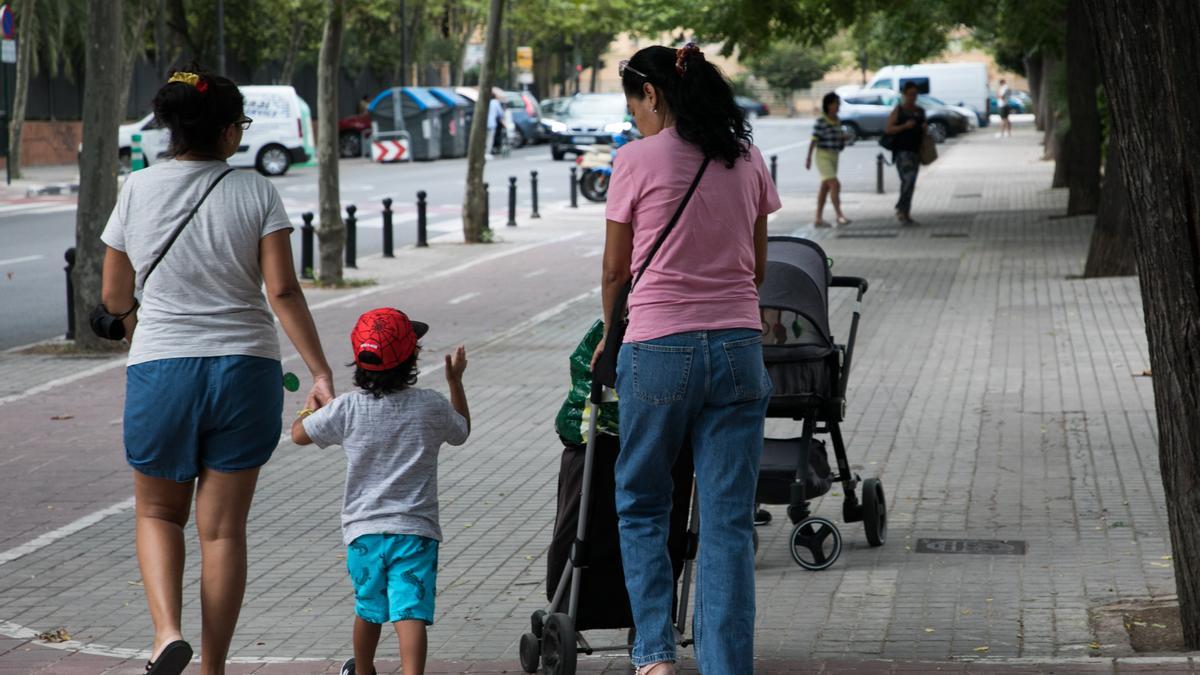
x=865 y=113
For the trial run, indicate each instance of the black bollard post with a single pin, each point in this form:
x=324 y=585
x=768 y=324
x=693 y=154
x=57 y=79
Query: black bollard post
x=351 y=237
x=879 y=173
x=574 y=190
x=533 y=194
x=512 y=202
x=387 y=228
x=69 y=256
x=306 y=246
x=774 y=164
x=487 y=207
x=422 y=241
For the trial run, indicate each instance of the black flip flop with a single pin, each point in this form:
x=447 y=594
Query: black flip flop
x=173 y=659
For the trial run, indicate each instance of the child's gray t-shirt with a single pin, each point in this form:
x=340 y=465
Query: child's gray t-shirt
x=391 y=448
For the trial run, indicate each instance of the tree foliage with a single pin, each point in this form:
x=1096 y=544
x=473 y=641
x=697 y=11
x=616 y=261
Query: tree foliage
x=791 y=66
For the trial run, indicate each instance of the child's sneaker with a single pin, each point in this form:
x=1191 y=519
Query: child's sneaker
x=348 y=667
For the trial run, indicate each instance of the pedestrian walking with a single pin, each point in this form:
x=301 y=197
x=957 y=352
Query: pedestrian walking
x=495 y=125
x=204 y=393
x=828 y=141
x=391 y=433
x=691 y=366
x=1002 y=95
x=906 y=127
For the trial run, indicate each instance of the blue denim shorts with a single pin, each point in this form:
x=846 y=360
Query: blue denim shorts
x=220 y=412
x=394 y=577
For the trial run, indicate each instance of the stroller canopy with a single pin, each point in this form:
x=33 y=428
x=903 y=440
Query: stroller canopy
x=794 y=297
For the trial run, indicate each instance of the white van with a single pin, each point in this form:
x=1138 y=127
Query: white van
x=279 y=136
x=958 y=84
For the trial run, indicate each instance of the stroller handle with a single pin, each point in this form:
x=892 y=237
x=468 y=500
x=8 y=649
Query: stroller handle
x=851 y=282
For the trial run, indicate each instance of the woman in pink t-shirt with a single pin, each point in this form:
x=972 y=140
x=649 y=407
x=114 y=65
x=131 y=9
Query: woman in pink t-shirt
x=691 y=368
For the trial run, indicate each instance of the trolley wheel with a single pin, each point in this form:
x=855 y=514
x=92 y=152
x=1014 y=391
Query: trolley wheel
x=531 y=653
x=559 y=651
x=537 y=623
x=816 y=543
x=874 y=509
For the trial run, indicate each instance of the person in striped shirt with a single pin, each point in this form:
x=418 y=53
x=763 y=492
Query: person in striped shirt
x=828 y=140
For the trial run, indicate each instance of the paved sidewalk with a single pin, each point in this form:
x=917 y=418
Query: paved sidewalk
x=997 y=399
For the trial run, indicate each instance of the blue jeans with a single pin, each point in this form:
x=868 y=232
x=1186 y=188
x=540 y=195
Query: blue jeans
x=711 y=388
x=908 y=165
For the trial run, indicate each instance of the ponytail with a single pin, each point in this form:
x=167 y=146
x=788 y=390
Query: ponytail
x=699 y=97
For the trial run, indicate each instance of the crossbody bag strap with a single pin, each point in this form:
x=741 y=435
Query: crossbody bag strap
x=175 y=235
x=670 y=225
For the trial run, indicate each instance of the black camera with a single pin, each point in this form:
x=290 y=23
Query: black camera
x=108 y=325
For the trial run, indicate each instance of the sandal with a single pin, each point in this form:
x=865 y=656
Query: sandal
x=821 y=223
x=843 y=221
x=659 y=668
x=171 y=660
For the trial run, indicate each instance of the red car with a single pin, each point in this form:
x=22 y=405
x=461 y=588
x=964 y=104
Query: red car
x=351 y=132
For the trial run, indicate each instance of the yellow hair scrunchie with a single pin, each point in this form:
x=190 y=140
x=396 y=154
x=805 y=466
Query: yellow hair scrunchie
x=186 y=78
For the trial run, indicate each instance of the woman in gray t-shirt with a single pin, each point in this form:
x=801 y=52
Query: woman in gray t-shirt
x=204 y=396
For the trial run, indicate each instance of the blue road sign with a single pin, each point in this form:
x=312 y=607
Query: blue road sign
x=8 y=25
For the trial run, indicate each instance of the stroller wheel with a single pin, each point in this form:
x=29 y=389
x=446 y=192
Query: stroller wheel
x=874 y=509
x=559 y=649
x=755 y=540
x=537 y=623
x=816 y=543
x=531 y=653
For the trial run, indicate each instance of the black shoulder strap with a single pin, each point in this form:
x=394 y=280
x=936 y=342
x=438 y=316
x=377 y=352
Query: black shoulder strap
x=175 y=235
x=671 y=225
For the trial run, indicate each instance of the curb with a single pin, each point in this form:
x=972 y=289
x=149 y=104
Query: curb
x=50 y=189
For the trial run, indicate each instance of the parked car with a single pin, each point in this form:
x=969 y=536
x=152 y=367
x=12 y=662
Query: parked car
x=351 y=131
x=526 y=115
x=865 y=113
x=279 y=136
x=752 y=107
x=587 y=119
x=967 y=112
x=958 y=83
x=1018 y=102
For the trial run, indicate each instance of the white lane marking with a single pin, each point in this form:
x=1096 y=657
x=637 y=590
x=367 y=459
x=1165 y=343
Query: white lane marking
x=52 y=209
x=592 y=253
x=790 y=146
x=67 y=530
x=28 y=258
x=73 y=377
x=352 y=297
x=535 y=273
x=462 y=298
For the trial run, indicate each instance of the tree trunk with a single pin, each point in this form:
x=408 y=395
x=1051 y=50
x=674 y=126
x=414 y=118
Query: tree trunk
x=185 y=49
x=1047 y=109
x=26 y=47
x=1083 y=176
x=98 y=159
x=1111 y=250
x=133 y=52
x=1033 y=73
x=332 y=233
x=473 y=201
x=162 y=58
x=1060 y=150
x=1150 y=54
x=287 y=70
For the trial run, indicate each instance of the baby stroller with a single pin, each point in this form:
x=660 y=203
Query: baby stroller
x=585 y=582
x=809 y=371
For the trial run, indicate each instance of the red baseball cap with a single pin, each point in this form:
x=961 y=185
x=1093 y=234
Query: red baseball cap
x=384 y=338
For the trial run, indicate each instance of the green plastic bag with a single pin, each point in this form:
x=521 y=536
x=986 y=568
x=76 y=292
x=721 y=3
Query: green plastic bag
x=575 y=413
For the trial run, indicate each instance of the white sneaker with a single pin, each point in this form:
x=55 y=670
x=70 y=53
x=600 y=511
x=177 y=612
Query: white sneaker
x=490 y=156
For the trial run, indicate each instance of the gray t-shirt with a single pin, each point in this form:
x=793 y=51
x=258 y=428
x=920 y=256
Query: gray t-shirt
x=205 y=298
x=391 y=448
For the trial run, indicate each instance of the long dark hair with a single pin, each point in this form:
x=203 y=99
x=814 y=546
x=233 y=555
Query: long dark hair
x=197 y=113
x=699 y=97
x=380 y=383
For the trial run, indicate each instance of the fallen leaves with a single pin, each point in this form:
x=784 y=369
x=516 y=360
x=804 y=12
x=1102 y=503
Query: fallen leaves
x=60 y=635
x=984 y=649
x=59 y=418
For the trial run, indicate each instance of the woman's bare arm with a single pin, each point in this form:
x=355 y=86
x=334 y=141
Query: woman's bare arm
x=618 y=252
x=117 y=286
x=287 y=300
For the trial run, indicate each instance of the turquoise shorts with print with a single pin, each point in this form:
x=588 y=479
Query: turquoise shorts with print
x=394 y=575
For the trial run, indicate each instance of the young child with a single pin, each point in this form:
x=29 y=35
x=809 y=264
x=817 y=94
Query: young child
x=391 y=433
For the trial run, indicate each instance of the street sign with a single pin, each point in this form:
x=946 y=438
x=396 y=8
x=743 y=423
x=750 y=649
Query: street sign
x=8 y=24
x=389 y=150
x=8 y=51
x=525 y=59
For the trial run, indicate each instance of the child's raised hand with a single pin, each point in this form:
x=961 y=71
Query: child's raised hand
x=456 y=364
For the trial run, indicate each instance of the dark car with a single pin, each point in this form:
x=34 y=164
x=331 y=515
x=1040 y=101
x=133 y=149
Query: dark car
x=587 y=120
x=752 y=107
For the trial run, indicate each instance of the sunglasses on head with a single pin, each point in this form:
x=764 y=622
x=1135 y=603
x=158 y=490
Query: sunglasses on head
x=624 y=66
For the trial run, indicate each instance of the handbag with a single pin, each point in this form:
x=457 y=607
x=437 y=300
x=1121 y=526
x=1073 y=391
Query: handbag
x=928 y=153
x=109 y=326
x=605 y=371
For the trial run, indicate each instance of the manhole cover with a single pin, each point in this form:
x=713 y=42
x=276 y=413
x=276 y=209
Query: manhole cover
x=949 y=235
x=866 y=235
x=975 y=546
x=969 y=195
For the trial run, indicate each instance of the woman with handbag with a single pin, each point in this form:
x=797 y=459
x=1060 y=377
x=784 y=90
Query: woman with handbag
x=204 y=393
x=687 y=209
x=906 y=128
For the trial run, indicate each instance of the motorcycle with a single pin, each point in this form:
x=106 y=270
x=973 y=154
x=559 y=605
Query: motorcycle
x=596 y=165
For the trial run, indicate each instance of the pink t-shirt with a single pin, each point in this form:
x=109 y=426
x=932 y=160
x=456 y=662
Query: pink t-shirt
x=703 y=276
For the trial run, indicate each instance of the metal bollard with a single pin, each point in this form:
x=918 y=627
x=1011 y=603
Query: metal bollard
x=487 y=207
x=69 y=256
x=512 y=202
x=574 y=190
x=422 y=240
x=533 y=194
x=774 y=165
x=351 y=237
x=306 y=246
x=387 y=228
x=879 y=173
